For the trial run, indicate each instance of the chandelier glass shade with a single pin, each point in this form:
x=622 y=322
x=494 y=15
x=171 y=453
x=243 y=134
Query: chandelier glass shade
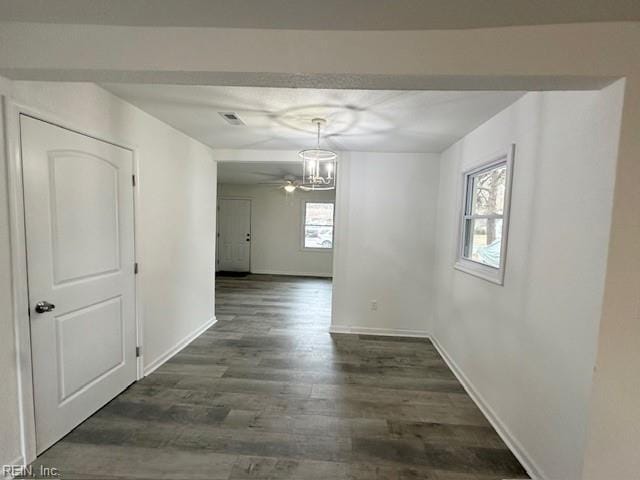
x=318 y=165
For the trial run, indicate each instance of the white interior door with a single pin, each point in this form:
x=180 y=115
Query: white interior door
x=78 y=199
x=234 y=247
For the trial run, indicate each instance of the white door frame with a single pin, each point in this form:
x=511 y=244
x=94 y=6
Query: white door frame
x=231 y=197
x=20 y=288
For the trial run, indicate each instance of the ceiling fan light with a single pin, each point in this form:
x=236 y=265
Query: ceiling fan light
x=289 y=188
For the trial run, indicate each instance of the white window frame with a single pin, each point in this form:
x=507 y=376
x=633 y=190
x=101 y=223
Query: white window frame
x=304 y=224
x=465 y=264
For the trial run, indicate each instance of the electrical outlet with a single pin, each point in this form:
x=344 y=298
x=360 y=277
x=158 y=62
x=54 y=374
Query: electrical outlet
x=374 y=305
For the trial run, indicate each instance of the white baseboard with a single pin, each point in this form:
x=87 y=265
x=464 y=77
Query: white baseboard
x=291 y=274
x=534 y=471
x=179 y=346
x=17 y=462
x=390 y=332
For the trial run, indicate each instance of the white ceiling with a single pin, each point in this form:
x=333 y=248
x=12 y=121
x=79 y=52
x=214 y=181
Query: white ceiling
x=324 y=15
x=257 y=172
x=280 y=118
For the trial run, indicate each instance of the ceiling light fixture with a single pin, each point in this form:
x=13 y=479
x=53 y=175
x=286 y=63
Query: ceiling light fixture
x=289 y=188
x=318 y=165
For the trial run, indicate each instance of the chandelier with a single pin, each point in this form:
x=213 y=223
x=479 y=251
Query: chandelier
x=318 y=165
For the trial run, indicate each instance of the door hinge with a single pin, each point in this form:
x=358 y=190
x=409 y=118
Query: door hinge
x=135 y=268
x=133 y=180
x=138 y=352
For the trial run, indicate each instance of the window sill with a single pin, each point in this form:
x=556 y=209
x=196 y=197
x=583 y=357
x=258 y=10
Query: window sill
x=481 y=271
x=316 y=250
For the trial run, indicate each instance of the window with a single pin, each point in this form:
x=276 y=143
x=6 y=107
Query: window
x=485 y=218
x=318 y=225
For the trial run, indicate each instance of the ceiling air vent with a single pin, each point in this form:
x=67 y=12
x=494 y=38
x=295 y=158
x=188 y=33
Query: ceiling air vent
x=232 y=118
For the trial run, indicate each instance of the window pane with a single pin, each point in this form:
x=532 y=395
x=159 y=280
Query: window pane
x=483 y=240
x=319 y=214
x=488 y=192
x=318 y=237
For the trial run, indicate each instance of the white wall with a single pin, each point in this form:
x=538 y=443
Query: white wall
x=385 y=218
x=614 y=411
x=175 y=228
x=528 y=348
x=276 y=230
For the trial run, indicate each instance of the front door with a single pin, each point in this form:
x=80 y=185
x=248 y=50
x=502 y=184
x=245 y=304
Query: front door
x=234 y=247
x=78 y=197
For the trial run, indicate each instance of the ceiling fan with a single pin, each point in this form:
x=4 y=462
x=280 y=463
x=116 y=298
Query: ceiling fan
x=289 y=183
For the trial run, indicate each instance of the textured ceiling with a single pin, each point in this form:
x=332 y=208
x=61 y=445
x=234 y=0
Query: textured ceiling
x=325 y=15
x=257 y=172
x=280 y=118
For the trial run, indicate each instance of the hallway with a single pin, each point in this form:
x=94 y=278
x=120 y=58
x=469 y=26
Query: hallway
x=267 y=393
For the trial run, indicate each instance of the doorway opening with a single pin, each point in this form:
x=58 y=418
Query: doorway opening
x=275 y=238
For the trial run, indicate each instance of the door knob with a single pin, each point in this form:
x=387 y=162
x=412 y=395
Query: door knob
x=44 y=307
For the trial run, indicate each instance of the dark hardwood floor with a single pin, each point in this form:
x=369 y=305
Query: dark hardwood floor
x=267 y=393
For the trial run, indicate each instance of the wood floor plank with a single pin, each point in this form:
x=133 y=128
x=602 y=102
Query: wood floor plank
x=87 y=461
x=268 y=393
